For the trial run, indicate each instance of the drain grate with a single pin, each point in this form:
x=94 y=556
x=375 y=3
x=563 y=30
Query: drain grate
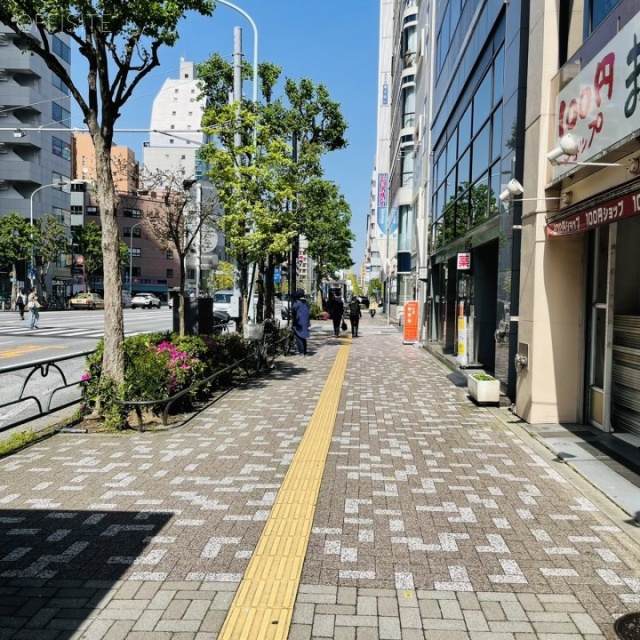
x=628 y=626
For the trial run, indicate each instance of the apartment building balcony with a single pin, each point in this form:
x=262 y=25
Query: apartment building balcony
x=24 y=171
x=13 y=94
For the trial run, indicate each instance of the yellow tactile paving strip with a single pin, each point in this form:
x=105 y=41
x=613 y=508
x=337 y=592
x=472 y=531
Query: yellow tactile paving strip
x=263 y=605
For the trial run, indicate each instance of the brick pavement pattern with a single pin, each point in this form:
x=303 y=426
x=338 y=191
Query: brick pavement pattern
x=436 y=518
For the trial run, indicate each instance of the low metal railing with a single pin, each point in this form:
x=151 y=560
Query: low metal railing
x=45 y=404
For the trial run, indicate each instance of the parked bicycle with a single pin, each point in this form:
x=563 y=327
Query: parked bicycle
x=262 y=342
x=288 y=343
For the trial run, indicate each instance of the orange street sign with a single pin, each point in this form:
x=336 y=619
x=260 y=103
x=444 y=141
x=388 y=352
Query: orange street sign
x=410 y=322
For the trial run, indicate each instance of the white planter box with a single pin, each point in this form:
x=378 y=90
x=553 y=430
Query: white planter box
x=484 y=391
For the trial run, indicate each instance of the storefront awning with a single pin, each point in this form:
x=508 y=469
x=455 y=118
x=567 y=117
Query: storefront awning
x=607 y=207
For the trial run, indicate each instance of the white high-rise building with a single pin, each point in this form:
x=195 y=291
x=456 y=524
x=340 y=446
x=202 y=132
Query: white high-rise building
x=175 y=123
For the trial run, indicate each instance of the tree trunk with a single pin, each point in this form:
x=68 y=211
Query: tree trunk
x=113 y=358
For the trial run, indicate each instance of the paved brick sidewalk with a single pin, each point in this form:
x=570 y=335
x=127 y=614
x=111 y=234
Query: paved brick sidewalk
x=435 y=519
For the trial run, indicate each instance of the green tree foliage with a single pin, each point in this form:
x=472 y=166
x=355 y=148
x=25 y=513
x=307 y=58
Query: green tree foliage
x=119 y=41
x=52 y=242
x=16 y=242
x=374 y=288
x=87 y=243
x=262 y=187
x=326 y=219
x=222 y=278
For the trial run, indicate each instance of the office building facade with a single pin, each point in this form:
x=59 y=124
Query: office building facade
x=31 y=97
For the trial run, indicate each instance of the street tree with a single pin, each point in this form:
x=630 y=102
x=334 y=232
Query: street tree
x=326 y=218
x=260 y=185
x=87 y=245
x=120 y=42
x=16 y=244
x=52 y=242
x=222 y=278
x=185 y=212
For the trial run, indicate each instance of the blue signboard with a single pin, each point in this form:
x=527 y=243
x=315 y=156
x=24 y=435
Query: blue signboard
x=277 y=276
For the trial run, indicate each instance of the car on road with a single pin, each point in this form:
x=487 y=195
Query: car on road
x=87 y=301
x=126 y=299
x=145 y=301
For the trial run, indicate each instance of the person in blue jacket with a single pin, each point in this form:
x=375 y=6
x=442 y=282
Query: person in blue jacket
x=301 y=321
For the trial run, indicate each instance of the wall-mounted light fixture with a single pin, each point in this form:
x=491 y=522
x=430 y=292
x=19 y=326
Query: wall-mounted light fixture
x=19 y=133
x=568 y=148
x=515 y=189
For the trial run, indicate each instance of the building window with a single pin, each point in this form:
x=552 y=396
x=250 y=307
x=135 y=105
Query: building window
x=60 y=114
x=78 y=187
x=173 y=113
x=191 y=274
x=58 y=84
x=131 y=213
x=77 y=209
x=60 y=148
x=137 y=232
x=169 y=273
x=595 y=12
x=173 y=126
x=136 y=272
x=61 y=49
x=170 y=140
x=135 y=252
x=93 y=211
x=169 y=255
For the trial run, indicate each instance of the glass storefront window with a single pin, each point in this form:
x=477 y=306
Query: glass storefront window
x=480 y=157
x=498 y=77
x=482 y=103
x=464 y=129
x=496 y=134
x=479 y=201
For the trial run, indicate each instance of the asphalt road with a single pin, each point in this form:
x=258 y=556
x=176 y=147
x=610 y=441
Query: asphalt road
x=61 y=333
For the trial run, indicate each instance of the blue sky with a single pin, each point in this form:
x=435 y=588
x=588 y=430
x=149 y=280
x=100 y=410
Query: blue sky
x=334 y=42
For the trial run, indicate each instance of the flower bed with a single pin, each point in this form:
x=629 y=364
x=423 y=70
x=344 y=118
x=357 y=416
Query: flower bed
x=158 y=366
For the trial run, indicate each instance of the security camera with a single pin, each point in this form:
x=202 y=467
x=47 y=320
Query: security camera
x=514 y=188
x=567 y=147
x=505 y=196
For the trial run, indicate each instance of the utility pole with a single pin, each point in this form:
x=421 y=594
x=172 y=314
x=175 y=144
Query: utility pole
x=295 y=249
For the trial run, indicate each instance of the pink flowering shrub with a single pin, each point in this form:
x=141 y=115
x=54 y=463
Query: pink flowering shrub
x=159 y=365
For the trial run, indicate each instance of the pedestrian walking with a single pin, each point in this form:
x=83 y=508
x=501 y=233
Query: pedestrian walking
x=33 y=304
x=301 y=321
x=373 y=307
x=355 y=313
x=336 y=312
x=21 y=303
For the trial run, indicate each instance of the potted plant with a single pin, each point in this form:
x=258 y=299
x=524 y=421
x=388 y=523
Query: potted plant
x=483 y=388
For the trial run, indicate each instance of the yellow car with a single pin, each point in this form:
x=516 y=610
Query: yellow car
x=87 y=301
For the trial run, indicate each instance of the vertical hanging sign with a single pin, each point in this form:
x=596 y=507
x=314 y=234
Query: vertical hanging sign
x=410 y=322
x=381 y=214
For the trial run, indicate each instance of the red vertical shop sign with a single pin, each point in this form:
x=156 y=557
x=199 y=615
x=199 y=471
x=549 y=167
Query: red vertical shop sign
x=410 y=322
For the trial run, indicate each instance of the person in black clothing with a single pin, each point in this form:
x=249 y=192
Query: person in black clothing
x=21 y=303
x=355 y=313
x=336 y=312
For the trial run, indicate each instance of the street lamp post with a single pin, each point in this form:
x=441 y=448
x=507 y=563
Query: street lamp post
x=31 y=273
x=251 y=308
x=137 y=224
